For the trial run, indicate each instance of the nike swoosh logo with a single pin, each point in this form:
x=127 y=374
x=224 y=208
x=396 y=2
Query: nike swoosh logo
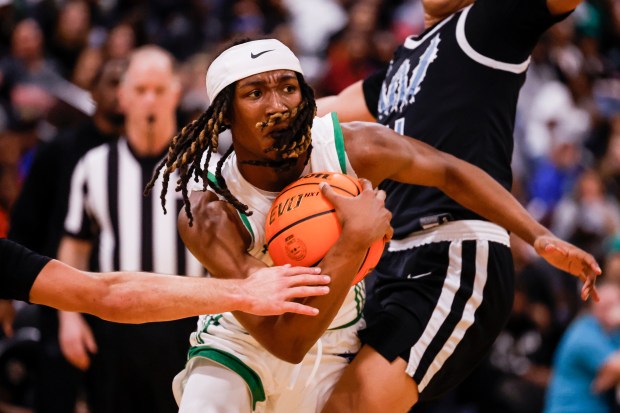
x=254 y=56
x=411 y=277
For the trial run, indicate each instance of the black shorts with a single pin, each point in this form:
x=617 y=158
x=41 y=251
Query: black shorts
x=438 y=300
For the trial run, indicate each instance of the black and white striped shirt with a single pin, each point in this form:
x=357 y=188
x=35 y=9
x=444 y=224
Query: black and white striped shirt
x=107 y=204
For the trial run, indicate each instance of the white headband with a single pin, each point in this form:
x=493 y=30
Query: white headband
x=248 y=59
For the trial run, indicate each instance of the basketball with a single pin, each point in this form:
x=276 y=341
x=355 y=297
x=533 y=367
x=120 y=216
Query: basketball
x=302 y=225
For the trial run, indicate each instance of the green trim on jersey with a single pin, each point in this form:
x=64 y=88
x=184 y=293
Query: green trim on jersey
x=246 y=222
x=360 y=299
x=339 y=141
x=212 y=179
x=235 y=364
x=243 y=217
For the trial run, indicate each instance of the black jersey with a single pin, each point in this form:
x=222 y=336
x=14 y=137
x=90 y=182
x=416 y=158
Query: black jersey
x=455 y=87
x=19 y=267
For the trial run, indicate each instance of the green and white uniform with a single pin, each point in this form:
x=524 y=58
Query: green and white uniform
x=275 y=385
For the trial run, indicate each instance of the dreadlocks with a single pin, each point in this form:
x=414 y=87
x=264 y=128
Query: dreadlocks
x=187 y=148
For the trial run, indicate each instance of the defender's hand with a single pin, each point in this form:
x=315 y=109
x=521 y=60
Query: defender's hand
x=571 y=259
x=363 y=217
x=270 y=291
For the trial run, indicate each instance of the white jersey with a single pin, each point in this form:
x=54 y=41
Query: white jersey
x=328 y=155
x=274 y=385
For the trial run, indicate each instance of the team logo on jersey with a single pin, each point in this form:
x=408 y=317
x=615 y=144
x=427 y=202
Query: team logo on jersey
x=406 y=83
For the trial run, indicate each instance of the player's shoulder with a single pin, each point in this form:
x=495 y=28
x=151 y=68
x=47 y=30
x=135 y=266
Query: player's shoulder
x=324 y=128
x=323 y=121
x=213 y=212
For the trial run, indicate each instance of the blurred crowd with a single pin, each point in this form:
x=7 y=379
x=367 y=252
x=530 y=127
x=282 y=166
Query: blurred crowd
x=567 y=139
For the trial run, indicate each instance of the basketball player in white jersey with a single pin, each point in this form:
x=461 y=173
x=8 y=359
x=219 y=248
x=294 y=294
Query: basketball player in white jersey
x=243 y=363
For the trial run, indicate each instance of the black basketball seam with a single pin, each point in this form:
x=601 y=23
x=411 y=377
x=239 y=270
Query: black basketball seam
x=314 y=183
x=298 y=222
x=354 y=183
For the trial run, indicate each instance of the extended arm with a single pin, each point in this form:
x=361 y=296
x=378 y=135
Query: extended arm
x=130 y=297
x=218 y=241
x=410 y=161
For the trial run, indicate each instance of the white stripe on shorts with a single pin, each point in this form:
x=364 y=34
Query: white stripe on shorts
x=449 y=290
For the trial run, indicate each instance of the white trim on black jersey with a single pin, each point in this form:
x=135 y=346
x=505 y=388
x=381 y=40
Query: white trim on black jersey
x=484 y=60
x=412 y=42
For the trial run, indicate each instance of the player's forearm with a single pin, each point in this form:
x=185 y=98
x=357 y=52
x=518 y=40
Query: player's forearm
x=477 y=191
x=133 y=297
x=125 y=298
x=290 y=336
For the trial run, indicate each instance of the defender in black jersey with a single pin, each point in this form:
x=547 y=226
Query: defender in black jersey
x=444 y=288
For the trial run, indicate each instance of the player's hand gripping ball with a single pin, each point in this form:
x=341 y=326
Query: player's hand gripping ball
x=302 y=225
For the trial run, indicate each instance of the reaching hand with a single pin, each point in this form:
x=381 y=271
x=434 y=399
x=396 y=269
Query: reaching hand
x=364 y=216
x=270 y=291
x=571 y=259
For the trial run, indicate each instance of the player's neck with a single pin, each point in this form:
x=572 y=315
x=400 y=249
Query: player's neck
x=270 y=178
x=436 y=11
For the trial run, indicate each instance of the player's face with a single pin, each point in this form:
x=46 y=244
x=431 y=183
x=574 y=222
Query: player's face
x=257 y=98
x=149 y=88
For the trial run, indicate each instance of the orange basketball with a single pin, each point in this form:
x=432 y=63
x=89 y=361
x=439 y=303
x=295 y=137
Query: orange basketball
x=302 y=225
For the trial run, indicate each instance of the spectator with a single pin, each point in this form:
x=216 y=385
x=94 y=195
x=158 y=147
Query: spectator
x=589 y=347
x=70 y=35
x=26 y=75
x=587 y=216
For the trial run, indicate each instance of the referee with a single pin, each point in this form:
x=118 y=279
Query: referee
x=107 y=208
